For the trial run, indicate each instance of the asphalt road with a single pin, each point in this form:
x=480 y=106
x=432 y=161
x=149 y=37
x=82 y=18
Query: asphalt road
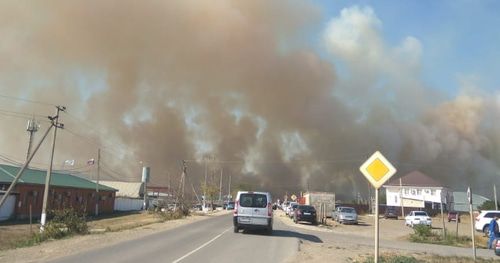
x=210 y=240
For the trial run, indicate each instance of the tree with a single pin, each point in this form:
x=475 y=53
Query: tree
x=487 y=205
x=212 y=191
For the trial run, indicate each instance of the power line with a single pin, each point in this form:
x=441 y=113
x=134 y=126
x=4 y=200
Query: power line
x=27 y=100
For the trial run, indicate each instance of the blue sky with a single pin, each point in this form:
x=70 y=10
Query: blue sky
x=460 y=39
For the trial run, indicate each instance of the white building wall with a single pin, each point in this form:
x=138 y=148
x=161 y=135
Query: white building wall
x=429 y=194
x=128 y=204
x=7 y=209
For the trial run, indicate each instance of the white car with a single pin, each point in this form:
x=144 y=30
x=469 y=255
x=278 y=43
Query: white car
x=253 y=210
x=418 y=218
x=290 y=208
x=484 y=218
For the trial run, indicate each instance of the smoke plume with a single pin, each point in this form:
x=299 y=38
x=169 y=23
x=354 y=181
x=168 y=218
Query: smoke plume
x=239 y=84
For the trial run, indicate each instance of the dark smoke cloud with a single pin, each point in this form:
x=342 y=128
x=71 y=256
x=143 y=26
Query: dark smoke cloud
x=159 y=82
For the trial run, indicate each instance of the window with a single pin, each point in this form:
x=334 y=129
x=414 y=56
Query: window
x=433 y=192
x=413 y=192
x=395 y=199
x=253 y=200
x=407 y=191
x=419 y=191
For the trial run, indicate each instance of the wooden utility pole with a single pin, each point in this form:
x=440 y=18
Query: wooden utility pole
x=57 y=125
x=229 y=188
x=97 y=182
x=32 y=128
x=495 y=193
x=220 y=185
x=20 y=173
x=401 y=198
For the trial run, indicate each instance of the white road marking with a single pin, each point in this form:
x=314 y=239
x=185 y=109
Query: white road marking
x=200 y=247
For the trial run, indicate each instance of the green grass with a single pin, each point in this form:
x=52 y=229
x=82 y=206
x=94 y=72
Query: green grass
x=424 y=234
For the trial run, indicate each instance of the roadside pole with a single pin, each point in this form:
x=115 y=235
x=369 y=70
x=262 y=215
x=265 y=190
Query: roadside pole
x=377 y=171
x=57 y=125
x=401 y=197
x=442 y=219
x=20 y=173
x=97 y=182
x=469 y=196
x=376 y=226
x=495 y=193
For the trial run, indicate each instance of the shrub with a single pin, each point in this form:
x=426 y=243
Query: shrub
x=422 y=231
x=65 y=222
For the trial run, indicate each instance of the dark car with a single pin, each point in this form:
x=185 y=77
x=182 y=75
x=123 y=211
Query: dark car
x=305 y=213
x=453 y=215
x=390 y=212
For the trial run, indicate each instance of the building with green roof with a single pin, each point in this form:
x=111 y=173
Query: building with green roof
x=66 y=190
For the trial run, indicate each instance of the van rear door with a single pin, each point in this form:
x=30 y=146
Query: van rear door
x=252 y=209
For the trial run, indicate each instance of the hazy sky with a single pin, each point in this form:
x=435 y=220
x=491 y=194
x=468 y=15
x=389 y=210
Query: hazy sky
x=284 y=95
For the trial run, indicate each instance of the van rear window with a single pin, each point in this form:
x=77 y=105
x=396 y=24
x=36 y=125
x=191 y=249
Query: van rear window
x=253 y=200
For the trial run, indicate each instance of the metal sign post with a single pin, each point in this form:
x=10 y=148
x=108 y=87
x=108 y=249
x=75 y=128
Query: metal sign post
x=469 y=197
x=377 y=170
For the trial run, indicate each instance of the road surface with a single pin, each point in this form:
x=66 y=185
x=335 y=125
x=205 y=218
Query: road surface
x=210 y=240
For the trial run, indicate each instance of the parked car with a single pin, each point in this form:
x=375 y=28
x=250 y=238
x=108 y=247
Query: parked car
x=390 y=212
x=483 y=220
x=418 y=218
x=345 y=215
x=290 y=209
x=305 y=213
x=230 y=206
x=253 y=210
x=453 y=216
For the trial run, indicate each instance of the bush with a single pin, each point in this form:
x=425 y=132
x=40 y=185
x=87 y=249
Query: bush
x=65 y=222
x=422 y=231
x=424 y=234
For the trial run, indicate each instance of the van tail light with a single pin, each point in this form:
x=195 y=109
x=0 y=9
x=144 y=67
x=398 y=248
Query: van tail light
x=236 y=205
x=269 y=209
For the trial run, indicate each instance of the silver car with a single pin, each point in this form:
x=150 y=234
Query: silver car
x=345 y=215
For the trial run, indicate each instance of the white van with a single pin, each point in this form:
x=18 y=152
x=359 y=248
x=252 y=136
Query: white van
x=253 y=210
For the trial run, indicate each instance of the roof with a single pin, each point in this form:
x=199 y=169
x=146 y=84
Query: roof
x=461 y=202
x=415 y=178
x=126 y=189
x=34 y=176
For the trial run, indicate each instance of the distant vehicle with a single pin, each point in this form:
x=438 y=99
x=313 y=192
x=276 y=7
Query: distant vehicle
x=305 y=213
x=317 y=199
x=391 y=212
x=496 y=246
x=291 y=209
x=418 y=218
x=253 y=210
x=453 y=216
x=230 y=206
x=345 y=215
x=483 y=220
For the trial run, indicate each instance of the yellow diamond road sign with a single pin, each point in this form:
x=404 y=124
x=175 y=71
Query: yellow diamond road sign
x=377 y=169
